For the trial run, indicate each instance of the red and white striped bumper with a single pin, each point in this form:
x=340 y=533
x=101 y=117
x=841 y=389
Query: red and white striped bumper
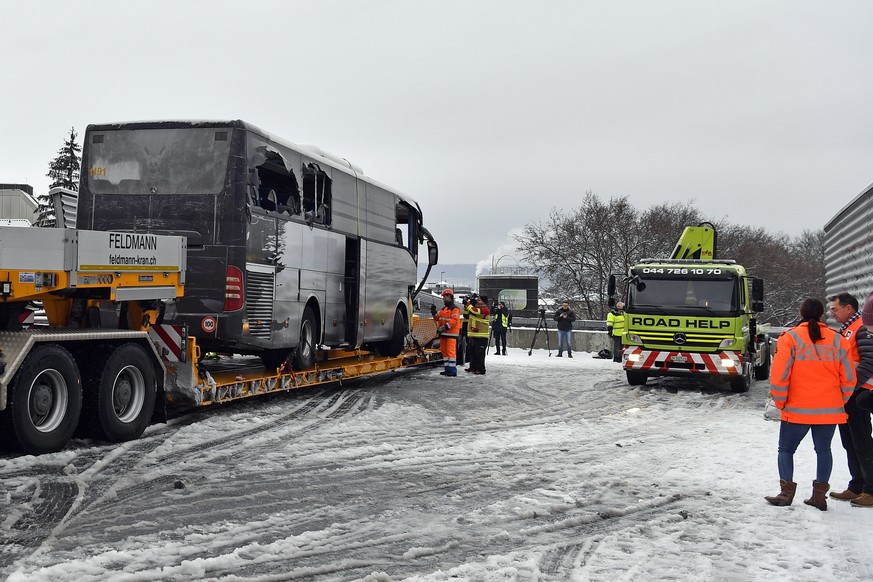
x=720 y=363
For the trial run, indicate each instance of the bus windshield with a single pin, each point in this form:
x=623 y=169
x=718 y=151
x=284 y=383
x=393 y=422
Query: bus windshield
x=158 y=161
x=684 y=295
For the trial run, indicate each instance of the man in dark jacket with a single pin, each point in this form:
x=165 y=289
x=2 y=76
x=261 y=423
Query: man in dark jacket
x=860 y=452
x=565 y=318
x=501 y=319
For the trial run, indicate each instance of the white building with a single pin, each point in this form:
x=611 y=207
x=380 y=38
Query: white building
x=17 y=203
x=849 y=248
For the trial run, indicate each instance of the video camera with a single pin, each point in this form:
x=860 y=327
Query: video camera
x=472 y=298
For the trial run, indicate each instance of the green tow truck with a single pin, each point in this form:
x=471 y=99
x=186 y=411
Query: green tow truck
x=693 y=314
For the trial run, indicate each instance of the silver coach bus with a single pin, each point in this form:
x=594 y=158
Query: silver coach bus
x=289 y=248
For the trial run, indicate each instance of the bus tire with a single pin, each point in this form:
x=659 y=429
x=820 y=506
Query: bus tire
x=394 y=346
x=304 y=355
x=120 y=394
x=636 y=378
x=44 y=401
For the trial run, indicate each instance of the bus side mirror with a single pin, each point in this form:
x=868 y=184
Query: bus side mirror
x=610 y=290
x=433 y=252
x=757 y=295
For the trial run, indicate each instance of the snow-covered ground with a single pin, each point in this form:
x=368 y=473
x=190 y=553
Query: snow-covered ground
x=544 y=469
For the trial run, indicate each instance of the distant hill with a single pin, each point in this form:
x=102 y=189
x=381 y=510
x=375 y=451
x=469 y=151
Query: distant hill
x=457 y=274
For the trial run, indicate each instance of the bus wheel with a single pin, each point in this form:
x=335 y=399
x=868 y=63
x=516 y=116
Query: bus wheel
x=394 y=346
x=120 y=394
x=636 y=378
x=304 y=355
x=45 y=400
x=273 y=359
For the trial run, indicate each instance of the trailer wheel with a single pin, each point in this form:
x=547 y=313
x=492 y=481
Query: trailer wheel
x=636 y=378
x=304 y=355
x=120 y=394
x=394 y=346
x=762 y=372
x=45 y=400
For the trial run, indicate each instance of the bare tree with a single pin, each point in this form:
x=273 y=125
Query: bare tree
x=576 y=251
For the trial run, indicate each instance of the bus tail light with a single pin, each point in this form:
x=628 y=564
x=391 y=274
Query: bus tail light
x=233 y=290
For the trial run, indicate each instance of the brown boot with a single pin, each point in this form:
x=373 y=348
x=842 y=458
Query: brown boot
x=819 y=496
x=863 y=500
x=846 y=495
x=786 y=495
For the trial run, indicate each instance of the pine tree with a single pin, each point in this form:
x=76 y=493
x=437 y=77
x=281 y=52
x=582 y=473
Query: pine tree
x=64 y=169
x=64 y=172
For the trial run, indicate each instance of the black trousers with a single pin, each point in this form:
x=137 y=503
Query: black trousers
x=858 y=443
x=478 y=345
x=499 y=337
x=616 y=348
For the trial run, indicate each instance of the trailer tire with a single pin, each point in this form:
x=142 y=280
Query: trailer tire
x=304 y=355
x=44 y=401
x=394 y=346
x=636 y=378
x=119 y=396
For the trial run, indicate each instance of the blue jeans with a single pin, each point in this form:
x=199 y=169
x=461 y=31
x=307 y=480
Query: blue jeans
x=791 y=434
x=565 y=341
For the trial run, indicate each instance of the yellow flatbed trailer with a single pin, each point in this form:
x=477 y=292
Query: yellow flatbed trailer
x=79 y=377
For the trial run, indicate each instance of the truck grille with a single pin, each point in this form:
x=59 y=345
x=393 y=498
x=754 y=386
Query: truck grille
x=260 y=289
x=664 y=340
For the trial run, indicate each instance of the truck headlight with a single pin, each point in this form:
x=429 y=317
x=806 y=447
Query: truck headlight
x=634 y=338
x=726 y=343
x=633 y=358
x=727 y=363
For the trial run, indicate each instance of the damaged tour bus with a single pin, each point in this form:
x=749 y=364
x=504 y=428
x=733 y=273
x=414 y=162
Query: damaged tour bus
x=289 y=248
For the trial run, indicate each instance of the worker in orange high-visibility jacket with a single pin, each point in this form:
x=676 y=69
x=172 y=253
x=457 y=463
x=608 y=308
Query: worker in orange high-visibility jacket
x=811 y=379
x=449 y=327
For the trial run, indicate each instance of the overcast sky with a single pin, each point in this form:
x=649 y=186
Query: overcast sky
x=488 y=113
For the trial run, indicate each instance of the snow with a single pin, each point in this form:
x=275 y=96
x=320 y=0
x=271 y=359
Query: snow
x=544 y=469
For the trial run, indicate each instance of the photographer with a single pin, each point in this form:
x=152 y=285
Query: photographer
x=463 y=343
x=565 y=318
x=477 y=333
x=500 y=323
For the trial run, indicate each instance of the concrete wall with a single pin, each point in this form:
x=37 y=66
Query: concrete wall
x=583 y=340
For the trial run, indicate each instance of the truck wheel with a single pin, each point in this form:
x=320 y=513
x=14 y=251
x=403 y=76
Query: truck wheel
x=636 y=378
x=762 y=372
x=742 y=383
x=120 y=394
x=45 y=400
x=394 y=346
x=304 y=355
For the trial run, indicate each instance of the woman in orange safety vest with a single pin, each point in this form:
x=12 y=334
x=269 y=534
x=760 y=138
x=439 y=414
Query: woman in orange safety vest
x=811 y=379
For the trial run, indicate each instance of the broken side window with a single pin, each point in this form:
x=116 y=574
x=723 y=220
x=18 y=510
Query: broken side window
x=316 y=195
x=273 y=185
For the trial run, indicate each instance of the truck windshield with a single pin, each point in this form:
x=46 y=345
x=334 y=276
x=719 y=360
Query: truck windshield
x=678 y=295
x=190 y=160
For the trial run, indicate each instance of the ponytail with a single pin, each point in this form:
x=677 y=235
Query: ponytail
x=810 y=311
x=814 y=330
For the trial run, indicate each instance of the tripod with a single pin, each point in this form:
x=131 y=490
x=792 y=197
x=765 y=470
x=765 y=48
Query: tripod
x=541 y=324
